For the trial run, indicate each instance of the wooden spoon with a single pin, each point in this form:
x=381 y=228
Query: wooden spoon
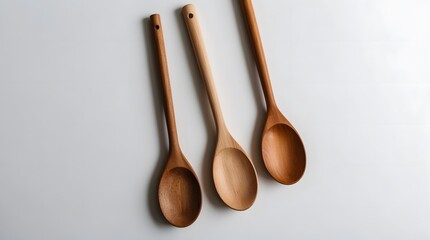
x=283 y=151
x=179 y=192
x=233 y=172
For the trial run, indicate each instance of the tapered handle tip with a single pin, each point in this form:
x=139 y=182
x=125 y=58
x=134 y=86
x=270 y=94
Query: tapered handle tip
x=155 y=21
x=188 y=11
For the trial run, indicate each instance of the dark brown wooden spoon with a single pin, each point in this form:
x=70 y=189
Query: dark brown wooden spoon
x=179 y=192
x=283 y=151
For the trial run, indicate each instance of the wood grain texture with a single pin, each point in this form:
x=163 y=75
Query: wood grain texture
x=179 y=191
x=260 y=59
x=282 y=148
x=233 y=172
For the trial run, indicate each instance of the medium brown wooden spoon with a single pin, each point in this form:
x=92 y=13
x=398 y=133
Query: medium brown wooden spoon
x=179 y=192
x=283 y=151
x=233 y=172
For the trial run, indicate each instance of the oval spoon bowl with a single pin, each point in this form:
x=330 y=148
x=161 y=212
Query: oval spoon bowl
x=283 y=153
x=180 y=196
x=235 y=179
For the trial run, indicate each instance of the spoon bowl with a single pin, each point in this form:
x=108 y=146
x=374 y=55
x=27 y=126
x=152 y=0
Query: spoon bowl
x=234 y=178
x=180 y=196
x=283 y=153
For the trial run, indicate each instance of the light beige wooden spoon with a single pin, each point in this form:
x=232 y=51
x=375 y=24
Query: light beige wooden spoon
x=283 y=151
x=179 y=192
x=233 y=172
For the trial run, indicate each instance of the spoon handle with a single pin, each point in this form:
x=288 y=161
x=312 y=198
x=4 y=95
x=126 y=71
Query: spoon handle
x=248 y=12
x=191 y=20
x=164 y=73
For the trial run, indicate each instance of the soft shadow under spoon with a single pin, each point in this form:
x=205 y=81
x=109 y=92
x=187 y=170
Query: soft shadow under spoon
x=283 y=151
x=179 y=192
x=233 y=172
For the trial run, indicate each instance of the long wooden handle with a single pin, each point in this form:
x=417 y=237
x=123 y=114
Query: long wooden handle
x=248 y=12
x=191 y=20
x=164 y=73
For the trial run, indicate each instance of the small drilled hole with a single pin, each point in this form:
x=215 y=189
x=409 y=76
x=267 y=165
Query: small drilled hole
x=190 y=15
x=156 y=27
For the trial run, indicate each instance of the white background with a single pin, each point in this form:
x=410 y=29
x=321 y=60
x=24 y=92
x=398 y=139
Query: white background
x=82 y=130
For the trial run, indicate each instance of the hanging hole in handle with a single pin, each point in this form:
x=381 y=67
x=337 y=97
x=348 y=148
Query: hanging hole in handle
x=156 y=27
x=190 y=15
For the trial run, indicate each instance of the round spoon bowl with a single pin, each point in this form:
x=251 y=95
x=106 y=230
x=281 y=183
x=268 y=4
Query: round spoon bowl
x=235 y=179
x=283 y=154
x=180 y=196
